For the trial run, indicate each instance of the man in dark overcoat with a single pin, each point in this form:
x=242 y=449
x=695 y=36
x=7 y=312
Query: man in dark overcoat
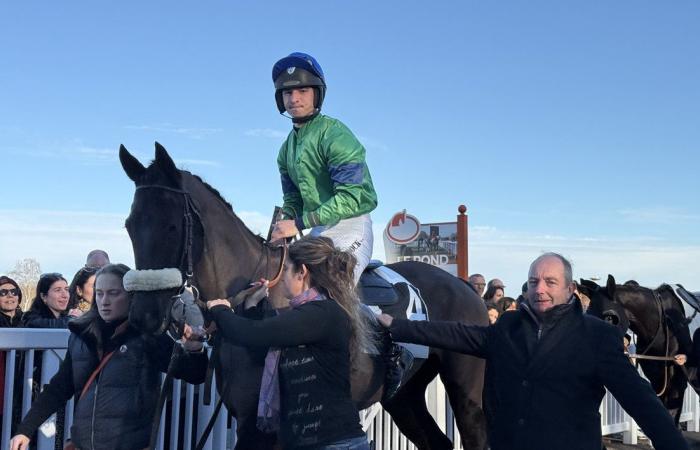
x=547 y=367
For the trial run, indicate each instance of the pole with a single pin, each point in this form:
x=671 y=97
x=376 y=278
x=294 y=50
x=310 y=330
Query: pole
x=462 y=243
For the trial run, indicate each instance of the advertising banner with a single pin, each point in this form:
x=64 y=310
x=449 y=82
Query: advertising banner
x=406 y=239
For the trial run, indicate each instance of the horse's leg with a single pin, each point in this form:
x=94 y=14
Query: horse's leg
x=673 y=397
x=464 y=392
x=410 y=413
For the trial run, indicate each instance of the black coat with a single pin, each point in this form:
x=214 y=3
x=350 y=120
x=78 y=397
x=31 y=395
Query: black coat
x=545 y=380
x=117 y=410
x=11 y=322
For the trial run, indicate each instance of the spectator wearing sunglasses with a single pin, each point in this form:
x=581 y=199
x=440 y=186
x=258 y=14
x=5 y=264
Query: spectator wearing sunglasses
x=10 y=299
x=81 y=289
x=49 y=307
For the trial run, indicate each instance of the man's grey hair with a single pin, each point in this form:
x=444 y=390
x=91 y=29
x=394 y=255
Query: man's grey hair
x=568 y=272
x=474 y=275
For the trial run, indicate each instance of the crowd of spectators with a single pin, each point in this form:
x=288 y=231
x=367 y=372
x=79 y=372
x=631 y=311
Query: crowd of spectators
x=55 y=303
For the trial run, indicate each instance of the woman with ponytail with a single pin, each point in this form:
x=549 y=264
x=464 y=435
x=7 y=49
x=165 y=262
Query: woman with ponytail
x=305 y=392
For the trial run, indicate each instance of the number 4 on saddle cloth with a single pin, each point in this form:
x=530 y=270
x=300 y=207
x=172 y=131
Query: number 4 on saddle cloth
x=383 y=290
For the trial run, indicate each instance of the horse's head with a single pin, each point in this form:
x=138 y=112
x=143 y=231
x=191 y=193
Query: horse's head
x=164 y=230
x=603 y=303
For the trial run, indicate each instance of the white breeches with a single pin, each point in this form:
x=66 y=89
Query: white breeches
x=352 y=235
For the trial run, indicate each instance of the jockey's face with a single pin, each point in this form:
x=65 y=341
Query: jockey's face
x=112 y=300
x=547 y=285
x=299 y=102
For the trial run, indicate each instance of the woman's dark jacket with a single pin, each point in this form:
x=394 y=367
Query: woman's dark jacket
x=11 y=322
x=545 y=379
x=46 y=319
x=314 y=369
x=117 y=410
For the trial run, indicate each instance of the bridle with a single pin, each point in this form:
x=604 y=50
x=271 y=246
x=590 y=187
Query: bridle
x=186 y=267
x=662 y=329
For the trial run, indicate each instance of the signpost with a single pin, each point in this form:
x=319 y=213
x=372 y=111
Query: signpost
x=442 y=244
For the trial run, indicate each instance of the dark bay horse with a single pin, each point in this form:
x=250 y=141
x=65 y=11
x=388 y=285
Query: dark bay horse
x=178 y=221
x=658 y=319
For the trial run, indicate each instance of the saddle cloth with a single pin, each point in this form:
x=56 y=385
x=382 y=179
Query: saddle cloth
x=386 y=291
x=686 y=296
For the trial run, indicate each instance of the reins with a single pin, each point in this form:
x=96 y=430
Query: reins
x=661 y=329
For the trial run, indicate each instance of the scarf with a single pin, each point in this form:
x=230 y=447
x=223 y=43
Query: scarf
x=269 y=401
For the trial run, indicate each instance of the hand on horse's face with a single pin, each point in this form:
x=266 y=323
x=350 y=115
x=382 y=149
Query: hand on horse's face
x=217 y=302
x=192 y=339
x=385 y=320
x=284 y=229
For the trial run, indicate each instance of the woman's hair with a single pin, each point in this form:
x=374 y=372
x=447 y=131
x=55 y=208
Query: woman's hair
x=332 y=272
x=79 y=280
x=5 y=280
x=91 y=322
x=491 y=292
x=45 y=282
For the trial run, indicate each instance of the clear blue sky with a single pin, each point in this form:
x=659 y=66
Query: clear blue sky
x=567 y=126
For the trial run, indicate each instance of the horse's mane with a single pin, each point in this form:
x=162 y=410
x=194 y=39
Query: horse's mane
x=218 y=195
x=212 y=190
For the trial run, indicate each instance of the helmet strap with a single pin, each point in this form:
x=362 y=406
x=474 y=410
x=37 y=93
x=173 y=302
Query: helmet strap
x=304 y=119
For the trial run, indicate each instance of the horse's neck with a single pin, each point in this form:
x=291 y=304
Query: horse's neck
x=231 y=254
x=640 y=307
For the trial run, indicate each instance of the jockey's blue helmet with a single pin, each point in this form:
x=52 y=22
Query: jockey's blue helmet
x=295 y=71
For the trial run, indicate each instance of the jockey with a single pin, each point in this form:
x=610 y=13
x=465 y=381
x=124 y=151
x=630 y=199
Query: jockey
x=326 y=184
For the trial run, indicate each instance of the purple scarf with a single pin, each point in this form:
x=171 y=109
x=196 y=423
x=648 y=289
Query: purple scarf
x=269 y=401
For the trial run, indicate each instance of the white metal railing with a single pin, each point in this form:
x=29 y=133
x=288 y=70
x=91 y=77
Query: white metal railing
x=26 y=343
x=378 y=424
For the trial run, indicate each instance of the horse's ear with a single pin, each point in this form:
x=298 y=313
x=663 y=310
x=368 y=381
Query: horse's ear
x=133 y=168
x=166 y=163
x=610 y=286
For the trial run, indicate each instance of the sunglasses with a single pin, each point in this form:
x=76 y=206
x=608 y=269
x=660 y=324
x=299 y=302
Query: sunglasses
x=6 y=292
x=89 y=269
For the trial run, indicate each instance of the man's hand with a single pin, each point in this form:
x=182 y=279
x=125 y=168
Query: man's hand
x=385 y=320
x=284 y=229
x=680 y=359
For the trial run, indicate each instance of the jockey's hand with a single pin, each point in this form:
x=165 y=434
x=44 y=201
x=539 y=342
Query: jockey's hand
x=193 y=338
x=680 y=359
x=284 y=229
x=385 y=320
x=217 y=302
x=19 y=442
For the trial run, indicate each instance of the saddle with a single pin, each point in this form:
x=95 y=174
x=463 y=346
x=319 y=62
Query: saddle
x=383 y=290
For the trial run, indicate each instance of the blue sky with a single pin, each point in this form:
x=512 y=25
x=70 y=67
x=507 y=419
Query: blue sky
x=566 y=126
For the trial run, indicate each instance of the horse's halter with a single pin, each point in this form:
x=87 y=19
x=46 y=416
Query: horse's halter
x=186 y=259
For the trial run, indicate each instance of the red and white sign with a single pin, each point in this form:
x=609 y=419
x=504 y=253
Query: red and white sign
x=402 y=228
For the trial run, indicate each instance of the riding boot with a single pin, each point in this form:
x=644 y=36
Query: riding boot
x=398 y=361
